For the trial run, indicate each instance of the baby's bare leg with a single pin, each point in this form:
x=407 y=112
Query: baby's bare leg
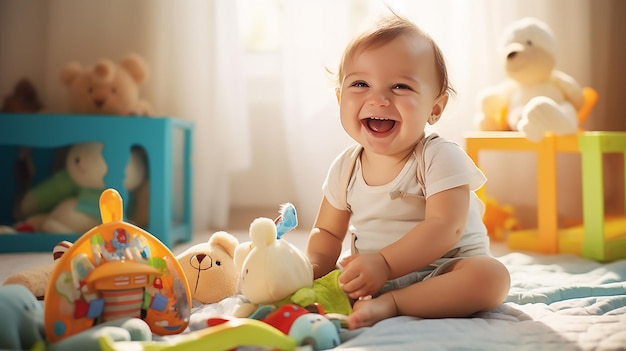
x=473 y=284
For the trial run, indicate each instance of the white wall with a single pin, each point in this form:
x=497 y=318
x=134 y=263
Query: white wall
x=512 y=177
x=268 y=182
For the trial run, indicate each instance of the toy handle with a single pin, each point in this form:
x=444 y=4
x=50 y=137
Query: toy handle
x=111 y=208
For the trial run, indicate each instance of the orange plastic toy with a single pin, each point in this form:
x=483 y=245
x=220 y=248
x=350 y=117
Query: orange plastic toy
x=116 y=270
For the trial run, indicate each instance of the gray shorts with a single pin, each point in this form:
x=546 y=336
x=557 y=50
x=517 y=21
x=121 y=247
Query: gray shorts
x=436 y=268
x=417 y=276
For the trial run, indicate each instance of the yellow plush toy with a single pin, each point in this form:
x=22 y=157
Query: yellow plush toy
x=536 y=98
x=499 y=219
x=106 y=87
x=210 y=268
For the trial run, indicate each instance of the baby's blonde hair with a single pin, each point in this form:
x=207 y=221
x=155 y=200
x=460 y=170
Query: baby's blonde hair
x=387 y=29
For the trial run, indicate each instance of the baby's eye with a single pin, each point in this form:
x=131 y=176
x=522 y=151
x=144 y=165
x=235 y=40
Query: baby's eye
x=359 y=84
x=401 y=86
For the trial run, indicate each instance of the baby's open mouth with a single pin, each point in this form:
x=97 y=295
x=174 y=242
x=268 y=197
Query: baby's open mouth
x=379 y=125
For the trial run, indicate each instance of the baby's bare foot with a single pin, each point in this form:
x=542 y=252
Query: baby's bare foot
x=368 y=312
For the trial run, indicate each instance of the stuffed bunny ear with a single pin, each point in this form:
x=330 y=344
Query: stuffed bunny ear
x=263 y=232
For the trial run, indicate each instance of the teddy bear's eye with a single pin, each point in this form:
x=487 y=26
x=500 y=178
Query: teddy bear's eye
x=246 y=270
x=218 y=263
x=529 y=43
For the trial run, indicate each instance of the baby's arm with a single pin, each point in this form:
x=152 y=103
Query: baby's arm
x=443 y=225
x=325 y=241
x=444 y=222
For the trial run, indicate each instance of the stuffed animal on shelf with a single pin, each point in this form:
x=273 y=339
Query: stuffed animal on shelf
x=67 y=202
x=23 y=99
x=210 y=268
x=275 y=272
x=536 y=98
x=106 y=87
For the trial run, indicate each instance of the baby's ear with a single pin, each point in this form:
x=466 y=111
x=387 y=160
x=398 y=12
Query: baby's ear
x=338 y=93
x=440 y=104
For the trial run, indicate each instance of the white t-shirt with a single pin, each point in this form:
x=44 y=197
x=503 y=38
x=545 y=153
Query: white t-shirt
x=383 y=214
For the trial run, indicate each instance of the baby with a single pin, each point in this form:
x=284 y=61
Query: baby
x=419 y=246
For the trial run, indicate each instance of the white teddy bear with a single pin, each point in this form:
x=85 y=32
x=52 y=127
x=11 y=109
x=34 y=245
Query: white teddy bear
x=536 y=98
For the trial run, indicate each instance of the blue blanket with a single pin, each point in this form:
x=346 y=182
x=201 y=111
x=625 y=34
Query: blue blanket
x=555 y=303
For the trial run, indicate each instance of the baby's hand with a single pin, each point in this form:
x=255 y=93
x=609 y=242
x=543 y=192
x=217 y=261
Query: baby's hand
x=363 y=274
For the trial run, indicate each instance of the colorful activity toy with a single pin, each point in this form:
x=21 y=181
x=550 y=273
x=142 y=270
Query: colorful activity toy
x=116 y=270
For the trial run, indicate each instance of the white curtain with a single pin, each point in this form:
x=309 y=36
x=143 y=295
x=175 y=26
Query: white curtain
x=468 y=33
x=194 y=53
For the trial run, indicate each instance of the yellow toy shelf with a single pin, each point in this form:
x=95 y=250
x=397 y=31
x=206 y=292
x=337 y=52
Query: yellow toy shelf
x=599 y=238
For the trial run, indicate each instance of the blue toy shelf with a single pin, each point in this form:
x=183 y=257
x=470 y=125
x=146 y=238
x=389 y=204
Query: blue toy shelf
x=163 y=139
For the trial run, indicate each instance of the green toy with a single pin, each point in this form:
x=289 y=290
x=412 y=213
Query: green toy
x=326 y=292
x=222 y=337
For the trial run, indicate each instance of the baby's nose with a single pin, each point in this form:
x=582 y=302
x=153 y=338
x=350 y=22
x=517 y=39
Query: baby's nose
x=378 y=98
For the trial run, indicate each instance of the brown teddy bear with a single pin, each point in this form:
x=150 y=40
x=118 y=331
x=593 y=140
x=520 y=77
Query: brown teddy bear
x=24 y=99
x=210 y=268
x=106 y=87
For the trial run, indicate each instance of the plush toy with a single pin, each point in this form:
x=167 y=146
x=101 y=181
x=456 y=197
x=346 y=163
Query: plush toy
x=21 y=326
x=536 y=98
x=312 y=327
x=273 y=271
x=307 y=328
x=23 y=99
x=270 y=269
x=106 y=87
x=210 y=268
x=67 y=202
x=499 y=219
x=36 y=279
